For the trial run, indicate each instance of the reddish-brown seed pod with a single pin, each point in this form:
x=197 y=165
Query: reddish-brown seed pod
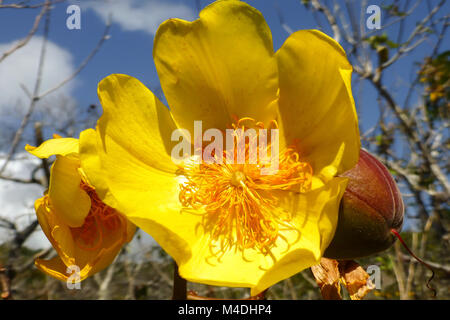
x=371 y=207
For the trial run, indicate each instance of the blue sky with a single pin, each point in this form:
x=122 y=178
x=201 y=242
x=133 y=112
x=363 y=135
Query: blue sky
x=130 y=51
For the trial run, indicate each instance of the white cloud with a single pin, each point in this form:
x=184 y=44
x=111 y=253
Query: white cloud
x=17 y=200
x=134 y=15
x=21 y=68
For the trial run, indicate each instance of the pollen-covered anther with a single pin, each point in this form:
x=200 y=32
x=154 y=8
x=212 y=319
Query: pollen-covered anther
x=240 y=205
x=100 y=219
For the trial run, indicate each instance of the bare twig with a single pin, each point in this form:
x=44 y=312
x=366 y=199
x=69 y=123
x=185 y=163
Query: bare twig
x=5 y=283
x=398 y=272
x=28 y=6
x=103 y=283
x=405 y=47
x=333 y=23
x=36 y=96
x=83 y=64
x=434 y=265
x=20 y=237
x=5 y=223
x=30 y=34
x=412 y=266
x=39 y=140
x=18 y=180
x=33 y=101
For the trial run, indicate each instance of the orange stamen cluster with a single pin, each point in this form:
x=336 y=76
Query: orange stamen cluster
x=241 y=205
x=100 y=219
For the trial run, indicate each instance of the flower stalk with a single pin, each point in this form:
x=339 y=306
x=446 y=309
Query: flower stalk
x=179 y=285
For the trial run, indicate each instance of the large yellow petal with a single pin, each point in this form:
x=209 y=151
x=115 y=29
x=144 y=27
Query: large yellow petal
x=316 y=105
x=217 y=66
x=90 y=160
x=315 y=216
x=136 y=120
x=68 y=200
x=54 y=267
x=56 y=231
x=120 y=160
x=89 y=262
x=59 y=146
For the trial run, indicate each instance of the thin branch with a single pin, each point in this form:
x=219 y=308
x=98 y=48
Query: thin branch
x=18 y=180
x=21 y=237
x=103 y=291
x=417 y=30
x=26 y=6
x=283 y=23
x=33 y=101
x=5 y=283
x=36 y=96
x=5 y=223
x=412 y=266
x=44 y=161
x=405 y=124
x=30 y=34
x=434 y=265
x=83 y=64
x=332 y=21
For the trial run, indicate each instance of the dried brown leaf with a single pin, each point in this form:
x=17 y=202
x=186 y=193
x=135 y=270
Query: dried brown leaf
x=327 y=277
x=355 y=279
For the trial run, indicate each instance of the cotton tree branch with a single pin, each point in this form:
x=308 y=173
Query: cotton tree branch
x=412 y=266
x=35 y=98
x=332 y=21
x=20 y=237
x=405 y=47
x=5 y=223
x=407 y=127
x=49 y=252
x=28 y=6
x=398 y=271
x=103 y=291
x=131 y=272
x=83 y=64
x=18 y=180
x=39 y=140
x=437 y=266
x=30 y=34
x=283 y=23
x=5 y=283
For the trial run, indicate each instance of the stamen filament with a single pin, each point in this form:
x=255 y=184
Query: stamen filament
x=240 y=207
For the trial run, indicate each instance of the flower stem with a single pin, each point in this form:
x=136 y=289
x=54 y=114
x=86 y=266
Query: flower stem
x=395 y=233
x=179 y=285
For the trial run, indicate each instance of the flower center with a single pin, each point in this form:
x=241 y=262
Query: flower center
x=100 y=220
x=238 y=178
x=240 y=205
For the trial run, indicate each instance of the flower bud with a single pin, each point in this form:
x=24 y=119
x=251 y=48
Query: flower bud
x=371 y=206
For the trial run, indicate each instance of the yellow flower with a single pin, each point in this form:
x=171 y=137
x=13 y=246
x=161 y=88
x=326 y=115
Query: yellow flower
x=227 y=224
x=86 y=233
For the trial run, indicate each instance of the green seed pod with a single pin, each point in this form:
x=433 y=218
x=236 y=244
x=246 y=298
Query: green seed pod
x=371 y=207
